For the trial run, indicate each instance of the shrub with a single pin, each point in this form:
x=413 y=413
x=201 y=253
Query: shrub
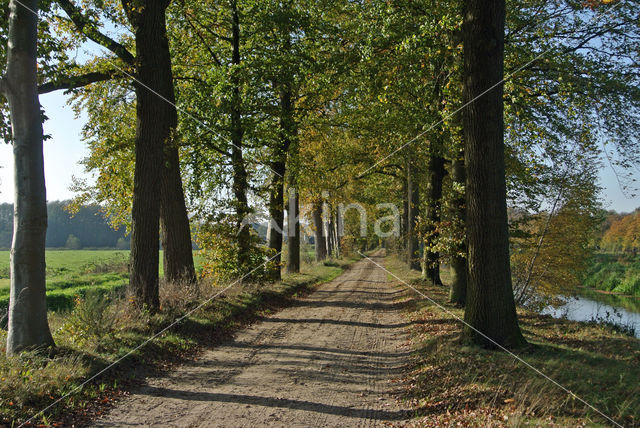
x=610 y=281
x=119 y=263
x=630 y=284
x=176 y=297
x=73 y=243
x=92 y=319
x=123 y=244
x=217 y=240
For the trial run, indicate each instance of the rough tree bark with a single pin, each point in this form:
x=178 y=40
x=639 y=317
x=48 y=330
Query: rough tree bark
x=240 y=182
x=176 y=233
x=404 y=217
x=490 y=307
x=276 y=207
x=293 y=257
x=434 y=208
x=153 y=132
x=289 y=137
x=458 y=291
x=413 y=192
x=320 y=242
x=28 y=326
x=174 y=220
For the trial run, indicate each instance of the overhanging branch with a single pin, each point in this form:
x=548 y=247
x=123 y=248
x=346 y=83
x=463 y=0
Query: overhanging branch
x=89 y=29
x=73 y=82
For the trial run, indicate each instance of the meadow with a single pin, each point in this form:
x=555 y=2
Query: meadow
x=70 y=273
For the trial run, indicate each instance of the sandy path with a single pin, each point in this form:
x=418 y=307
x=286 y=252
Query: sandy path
x=326 y=361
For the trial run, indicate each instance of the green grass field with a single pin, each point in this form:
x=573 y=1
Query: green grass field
x=71 y=273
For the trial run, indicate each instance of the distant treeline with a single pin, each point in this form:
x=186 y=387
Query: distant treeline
x=622 y=233
x=86 y=229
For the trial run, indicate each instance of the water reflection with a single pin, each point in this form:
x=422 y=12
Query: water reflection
x=617 y=309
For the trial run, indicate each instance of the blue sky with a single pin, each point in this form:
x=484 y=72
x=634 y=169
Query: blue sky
x=61 y=153
x=65 y=149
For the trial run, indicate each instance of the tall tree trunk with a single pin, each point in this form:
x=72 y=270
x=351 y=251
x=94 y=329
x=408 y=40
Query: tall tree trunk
x=413 y=191
x=174 y=221
x=276 y=208
x=289 y=137
x=404 y=217
x=293 y=257
x=458 y=291
x=154 y=121
x=327 y=223
x=490 y=306
x=334 y=233
x=28 y=326
x=268 y=237
x=339 y=229
x=434 y=209
x=240 y=182
x=319 y=239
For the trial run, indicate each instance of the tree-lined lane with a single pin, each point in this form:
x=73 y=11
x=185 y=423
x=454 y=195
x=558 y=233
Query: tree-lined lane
x=326 y=361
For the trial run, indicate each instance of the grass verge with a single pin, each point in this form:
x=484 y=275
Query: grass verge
x=72 y=273
x=455 y=385
x=99 y=331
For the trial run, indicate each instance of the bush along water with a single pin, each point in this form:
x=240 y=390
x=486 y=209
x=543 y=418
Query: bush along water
x=613 y=273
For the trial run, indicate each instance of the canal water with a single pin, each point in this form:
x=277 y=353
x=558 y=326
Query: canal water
x=590 y=306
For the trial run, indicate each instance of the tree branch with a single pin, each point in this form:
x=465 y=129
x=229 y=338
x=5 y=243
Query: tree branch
x=208 y=29
x=204 y=42
x=73 y=82
x=89 y=29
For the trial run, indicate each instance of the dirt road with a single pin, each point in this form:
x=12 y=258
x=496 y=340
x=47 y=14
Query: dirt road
x=326 y=361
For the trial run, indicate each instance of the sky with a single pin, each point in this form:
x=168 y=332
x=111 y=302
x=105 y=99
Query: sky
x=64 y=151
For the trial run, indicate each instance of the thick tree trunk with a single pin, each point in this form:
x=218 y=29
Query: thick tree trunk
x=458 y=292
x=434 y=209
x=289 y=138
x=490 y=307
x=153 y=132
x=413 y=192
x=174 y=220
x=319 y=240
x=28 y=326
x=240 y=182
x=276 y=194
